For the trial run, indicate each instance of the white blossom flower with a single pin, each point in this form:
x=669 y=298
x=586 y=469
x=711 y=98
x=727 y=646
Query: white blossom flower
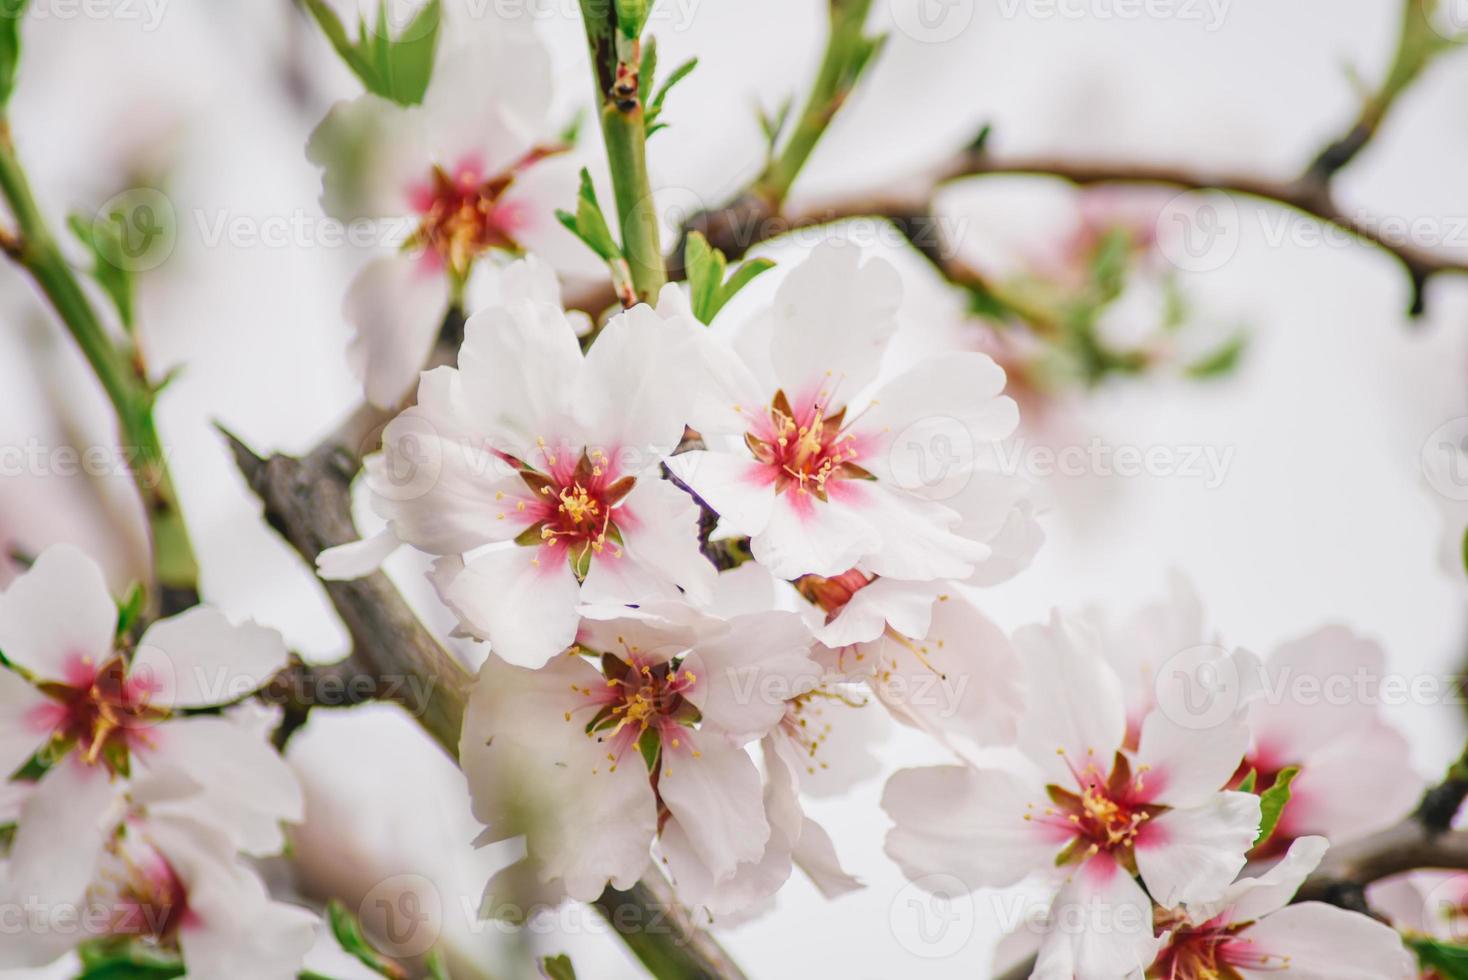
x=97 y=713
x=1252 y=933
x=820 y=465
x=640 y=732
x=553 y=460
x=1086 y=809
x=472 y=170
x=158 y=872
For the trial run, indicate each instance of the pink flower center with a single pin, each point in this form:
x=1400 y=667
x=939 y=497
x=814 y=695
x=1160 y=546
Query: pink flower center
x=639 y=696
x=1104 y=814
x=576 y=509
x=462 y=217
x=146 y=897
x=832 y=594
x=100 y=710
x=805 y=450
x=1212 y=951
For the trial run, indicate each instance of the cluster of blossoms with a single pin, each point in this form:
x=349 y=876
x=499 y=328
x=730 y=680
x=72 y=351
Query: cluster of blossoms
x=134 y=789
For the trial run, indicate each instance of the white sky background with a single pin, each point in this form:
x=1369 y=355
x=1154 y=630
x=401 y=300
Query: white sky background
x=1322 y=515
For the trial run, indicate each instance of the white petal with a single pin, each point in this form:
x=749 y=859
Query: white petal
x=527 y=611
x=489 y=100
x=395 y=305
x=1322 y=942
x=713 y=789
x=736 y=487
x=1181 y=766
x=747 y=673
x=817 y=857
x=24 y=722
x=1076 y=709
x=528 y=209
x=1106 y=920
x=830 y=741
x=58 y=614
x=659 y=525
x=1000 y=511
x=918 y=541
x=438 y=484
x=1191 y=856
x=725 y=901
x=247 y=788
x=965 y=677
x=832 y=319
x=199 y=658
x=357 y=559
x=371 y=154
x=936 y=419
x=972 y=824
x=1362 y=783
x=813 y=538
x=1320 y=687
x=63 y=826
x=520 y=365
x=233 y=927
x=532 y=770
x=635 y=392
x=907 y=607
x=1253 y=898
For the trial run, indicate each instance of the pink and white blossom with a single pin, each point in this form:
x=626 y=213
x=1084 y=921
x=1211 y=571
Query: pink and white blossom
x=472 y=171
x=1251 y=932
x=1116 y=828
x=638 y=734
x=824 y=468
x=534 y=472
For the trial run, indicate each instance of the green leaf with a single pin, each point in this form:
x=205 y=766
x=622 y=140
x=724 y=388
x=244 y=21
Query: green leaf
x=1465 y=549
x=1272 y=803
x=356 y=59
x=407 y=61
x=1446 y=960
x=101 y=236
x=589 y=223
x=705 y=267
x=434 y=965
x=632 y=16
x=130 y=609
x=1250 y=781
x=647 y=71
x=396 y=68
x=11 y=13
x=557 y=967
x=124 y=959
x=655 y=107
x=1222 y=360
x=649 y=744
x=349 y=934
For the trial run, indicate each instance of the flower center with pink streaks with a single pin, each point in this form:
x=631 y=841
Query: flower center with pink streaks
x=804 y=451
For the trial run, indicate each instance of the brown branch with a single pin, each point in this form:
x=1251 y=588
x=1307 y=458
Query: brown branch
x=308 y=501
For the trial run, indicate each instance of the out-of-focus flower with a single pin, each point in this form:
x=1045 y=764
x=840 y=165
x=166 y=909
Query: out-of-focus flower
x=553 y=460
x=76 y=698
x=1252 y=933
x=637 y=734
x=473 y=170
x=825 y=469
x=1096 y=812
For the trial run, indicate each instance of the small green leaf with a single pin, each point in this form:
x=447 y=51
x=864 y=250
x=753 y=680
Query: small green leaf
x=101 y=237
x=130 y=609
x=1272 y=803
x=349 y=934
x=1465 y=549
x=1445 y=960
x=125 y=959
x=1250 y=781
x=557 y=968
x=589 y=223
x=336 y=33
x=655 y=107
x=647 y=70
x=632 y=16
x=1222 y=360
x=648 y=744
x=11 y=13
x=435 y=967
x=407 y=60
x=705 y=267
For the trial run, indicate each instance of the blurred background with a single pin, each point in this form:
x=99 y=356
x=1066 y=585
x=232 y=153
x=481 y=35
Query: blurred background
x=1328 y=498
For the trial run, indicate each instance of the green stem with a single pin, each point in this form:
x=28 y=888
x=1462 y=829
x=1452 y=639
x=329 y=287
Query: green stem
x=122 y=379
x=614 y=60
x=848 y=50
